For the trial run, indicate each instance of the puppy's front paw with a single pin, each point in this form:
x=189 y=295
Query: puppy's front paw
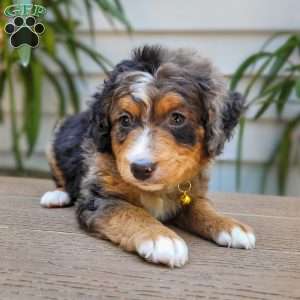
x=236 y=235
x=164 y=250
x=55 y=199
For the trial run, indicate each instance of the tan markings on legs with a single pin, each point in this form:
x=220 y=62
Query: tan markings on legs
x=135 y=230
x=202 y=218
x=56 y=172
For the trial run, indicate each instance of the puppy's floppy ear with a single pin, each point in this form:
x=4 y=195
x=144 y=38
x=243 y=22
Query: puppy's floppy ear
x=100 y=127
x=233 y=108
x=222 y=119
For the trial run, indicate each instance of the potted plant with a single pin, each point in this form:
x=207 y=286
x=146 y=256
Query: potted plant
x=276 y=73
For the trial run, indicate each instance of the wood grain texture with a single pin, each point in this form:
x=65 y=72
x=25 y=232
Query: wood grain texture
x=45 y=256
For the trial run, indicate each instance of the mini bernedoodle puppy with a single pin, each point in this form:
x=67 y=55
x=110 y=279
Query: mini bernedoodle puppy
x=138 y=157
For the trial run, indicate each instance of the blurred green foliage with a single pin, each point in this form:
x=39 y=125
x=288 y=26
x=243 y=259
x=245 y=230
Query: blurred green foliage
x=61 y=29
x=277 y=75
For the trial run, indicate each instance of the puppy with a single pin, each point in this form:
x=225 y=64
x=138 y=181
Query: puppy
x=138 y=157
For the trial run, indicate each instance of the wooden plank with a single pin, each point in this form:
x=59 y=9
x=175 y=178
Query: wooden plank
x=45 y=256
x=232 y=203
x=78 y=266
x=273 y=233
x=24 y=186
x=273 y=228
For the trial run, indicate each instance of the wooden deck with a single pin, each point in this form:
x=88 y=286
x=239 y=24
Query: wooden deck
x=43 y=254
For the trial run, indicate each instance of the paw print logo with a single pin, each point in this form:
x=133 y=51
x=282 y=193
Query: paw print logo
x=24 y=32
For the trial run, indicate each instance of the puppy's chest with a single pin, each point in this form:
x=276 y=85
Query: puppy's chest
x=162 y=207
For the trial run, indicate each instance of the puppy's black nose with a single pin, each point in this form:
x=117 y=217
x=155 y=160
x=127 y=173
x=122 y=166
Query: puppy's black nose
x=142 y=169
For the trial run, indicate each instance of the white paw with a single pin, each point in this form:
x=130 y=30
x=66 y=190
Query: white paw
x=164 y=250
x=237 y=238
x=55 y=199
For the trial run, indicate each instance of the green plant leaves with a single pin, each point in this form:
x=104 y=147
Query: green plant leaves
x=282 y=153
x=238 y=161
x=256 y=76
x=97 y=57
x=285 y=92
x=48 y=40
x=25 y=53
x=14 y=124
x=60 y=93
x=281 y=76
x=266 y=104
x=32 y=103
x=240 y=72
x=89 y=11
x=74 y=98
x=2 y=86
x=282 y=55
x=283 y=162
x=113 y=9
x=297 y=87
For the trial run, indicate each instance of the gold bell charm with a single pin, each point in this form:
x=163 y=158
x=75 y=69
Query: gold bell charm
x=185 y=198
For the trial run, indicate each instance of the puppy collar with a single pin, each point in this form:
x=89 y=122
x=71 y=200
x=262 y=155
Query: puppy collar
x=184 y=189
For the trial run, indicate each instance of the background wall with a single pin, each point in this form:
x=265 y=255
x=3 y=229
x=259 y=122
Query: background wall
x=226 y=31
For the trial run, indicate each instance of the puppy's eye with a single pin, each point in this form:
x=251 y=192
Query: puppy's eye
x=177 y=119
x=125 y=120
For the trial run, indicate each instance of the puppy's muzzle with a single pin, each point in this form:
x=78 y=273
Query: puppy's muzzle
x=142 y=169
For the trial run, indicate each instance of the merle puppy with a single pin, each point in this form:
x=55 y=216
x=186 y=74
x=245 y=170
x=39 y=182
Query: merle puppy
x=138 y=157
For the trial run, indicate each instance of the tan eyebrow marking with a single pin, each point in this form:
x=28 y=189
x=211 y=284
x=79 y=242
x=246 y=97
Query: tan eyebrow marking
x=126 y=104
x=167 y=103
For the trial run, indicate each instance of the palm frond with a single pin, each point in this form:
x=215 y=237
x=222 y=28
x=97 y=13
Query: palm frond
x=280 y=77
